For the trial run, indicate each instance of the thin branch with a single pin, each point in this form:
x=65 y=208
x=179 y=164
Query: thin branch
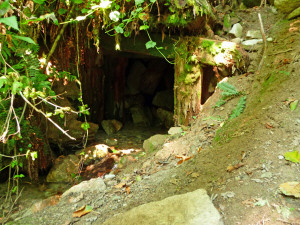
x=40 y=111
x=264 y=41
x=60 y=107
x=6 y=124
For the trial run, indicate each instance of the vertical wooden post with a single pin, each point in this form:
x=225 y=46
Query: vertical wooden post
x=187 y=91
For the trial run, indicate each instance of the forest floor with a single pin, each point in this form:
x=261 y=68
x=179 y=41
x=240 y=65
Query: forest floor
x=239 y=162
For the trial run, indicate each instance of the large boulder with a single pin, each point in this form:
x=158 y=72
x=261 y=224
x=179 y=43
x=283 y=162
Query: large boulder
x=141 y=115
x=63 y=169
x=111 y=126
x=193 y=208
x=164 y=99
x=287 y=6
x=166 y=117
x=95 y=185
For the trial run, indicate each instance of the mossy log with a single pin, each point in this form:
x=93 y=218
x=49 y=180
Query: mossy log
x=193 y=53
x=213 y=52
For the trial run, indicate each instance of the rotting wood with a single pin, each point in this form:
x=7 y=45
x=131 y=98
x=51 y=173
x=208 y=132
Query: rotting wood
x=193 y=53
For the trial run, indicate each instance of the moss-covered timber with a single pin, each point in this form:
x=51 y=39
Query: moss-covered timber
x=192 y=54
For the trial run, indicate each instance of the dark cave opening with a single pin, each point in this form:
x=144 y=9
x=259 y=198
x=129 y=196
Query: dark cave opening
x=135 y=89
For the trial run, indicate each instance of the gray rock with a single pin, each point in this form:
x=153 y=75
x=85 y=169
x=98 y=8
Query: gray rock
x=164 y=99
x=63 y=169
x=252 y=42
x=111 y=126
x=294 y=14
x=108 y=127
x=287 y=6
x=154 y=142
x=111 y=141
x=193 y=208
x=236 y=30
x=141 y=115
x=254 y=34
x=166 y=117
x=175 y=130
x=237 y=40
x=92 y=185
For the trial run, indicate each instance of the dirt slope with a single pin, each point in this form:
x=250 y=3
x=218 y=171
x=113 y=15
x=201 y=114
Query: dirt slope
x=258 y=139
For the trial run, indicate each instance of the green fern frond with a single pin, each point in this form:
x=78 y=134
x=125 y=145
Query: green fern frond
x=220 y=103
x=239 y=108
x=228 y=89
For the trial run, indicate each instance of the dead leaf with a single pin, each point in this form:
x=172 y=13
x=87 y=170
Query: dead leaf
x=120 y=185
x=289 y=100
x=127 y=190
x=290 y=189
x=234 y=167
x=183 y=158
x=189 y=173
x=83 y=211
x=249 y=202
x=268 y=126
x=199 y=149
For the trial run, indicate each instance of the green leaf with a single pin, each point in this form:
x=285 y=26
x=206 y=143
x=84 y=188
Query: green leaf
x=138 y=178
x=19 y=176
x=150 y=44
x=33 y=155
x=10 y=21
x=119 y=30
x=127 y=33
x=16 y=87
x=138 y=2
x=294 y=105
x=144 y=27
x=39 y=1
x=227 y=22
x=62 y=11
x=48 y=114
x=292 y=156
x=88 y=208
x=4 y=7
x=77 y=1
x=27 y=39
x=84 y=10
x=13 y=163
x=152 y=1
x=2 y=81
x=85 y=126
x=239 y=108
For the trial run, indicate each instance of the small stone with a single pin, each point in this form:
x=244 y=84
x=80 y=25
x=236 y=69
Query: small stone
x=252 y=42
x=236 y=30
x=111 y=141
x=175 y=130
x=109 y=176
x=254 y=34
x=280 y=157
x=237 y=40
x=228 y=194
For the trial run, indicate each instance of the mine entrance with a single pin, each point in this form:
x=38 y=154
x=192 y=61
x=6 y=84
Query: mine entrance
x=139 y=90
